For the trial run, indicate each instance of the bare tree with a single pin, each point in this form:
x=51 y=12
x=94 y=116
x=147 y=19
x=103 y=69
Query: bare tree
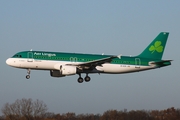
x=39 y=109
x=24 y=108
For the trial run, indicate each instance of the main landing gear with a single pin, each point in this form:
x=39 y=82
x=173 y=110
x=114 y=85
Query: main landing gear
x=28 y=73
x=80 y=79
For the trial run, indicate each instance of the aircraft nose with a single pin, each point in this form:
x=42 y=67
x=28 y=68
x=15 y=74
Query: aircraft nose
x=9 y=61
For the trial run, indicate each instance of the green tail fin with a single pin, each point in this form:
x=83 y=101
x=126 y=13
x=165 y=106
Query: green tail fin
x=156 y=48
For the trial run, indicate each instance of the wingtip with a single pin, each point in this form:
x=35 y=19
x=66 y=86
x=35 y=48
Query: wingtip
x=119 y=56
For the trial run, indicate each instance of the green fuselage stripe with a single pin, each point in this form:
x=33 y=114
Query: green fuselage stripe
x=77 y=57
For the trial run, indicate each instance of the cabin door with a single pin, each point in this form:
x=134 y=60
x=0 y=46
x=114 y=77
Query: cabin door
x=30 y=57
x=137 y=62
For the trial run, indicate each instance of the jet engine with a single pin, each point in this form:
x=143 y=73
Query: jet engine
x=68 y=70
x=63 y=71
x=56 y=73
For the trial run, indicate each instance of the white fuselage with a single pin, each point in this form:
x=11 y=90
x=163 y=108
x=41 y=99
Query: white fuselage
x=54 y=65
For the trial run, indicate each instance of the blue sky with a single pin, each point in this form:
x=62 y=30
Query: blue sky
x=103 y=26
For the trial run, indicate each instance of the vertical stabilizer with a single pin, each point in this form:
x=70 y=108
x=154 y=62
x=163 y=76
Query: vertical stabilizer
x=156 y=48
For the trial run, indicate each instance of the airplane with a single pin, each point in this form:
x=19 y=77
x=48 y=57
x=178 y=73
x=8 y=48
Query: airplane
x=62 y=64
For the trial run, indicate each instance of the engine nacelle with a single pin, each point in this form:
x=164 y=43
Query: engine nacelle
x=68 y=70
x=56 y=73
x=63 y=71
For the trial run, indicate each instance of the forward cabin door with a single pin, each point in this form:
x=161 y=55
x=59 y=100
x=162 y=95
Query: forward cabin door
x=137 y=62
x=30 y=57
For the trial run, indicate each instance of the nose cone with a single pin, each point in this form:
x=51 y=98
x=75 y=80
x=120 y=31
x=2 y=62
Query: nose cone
x=9 y=61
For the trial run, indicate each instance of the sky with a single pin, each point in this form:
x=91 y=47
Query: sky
x=98 y=26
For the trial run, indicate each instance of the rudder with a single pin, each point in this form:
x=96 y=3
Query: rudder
x=156 y=48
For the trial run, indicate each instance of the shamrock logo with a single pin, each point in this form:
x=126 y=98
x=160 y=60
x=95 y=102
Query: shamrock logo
x=156 y=47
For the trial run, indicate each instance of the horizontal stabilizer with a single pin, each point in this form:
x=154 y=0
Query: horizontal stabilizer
x=161 y=63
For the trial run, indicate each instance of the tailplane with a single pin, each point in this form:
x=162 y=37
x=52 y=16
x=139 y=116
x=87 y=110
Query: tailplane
x=156 y=48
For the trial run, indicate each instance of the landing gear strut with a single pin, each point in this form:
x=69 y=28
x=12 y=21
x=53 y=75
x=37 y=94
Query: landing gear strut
x=28 y=73
x=80 y=79
x=87 y=78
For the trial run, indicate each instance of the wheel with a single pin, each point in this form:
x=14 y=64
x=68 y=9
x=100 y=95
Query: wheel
x=80 y=80
x=27 y=76
x=87 y=78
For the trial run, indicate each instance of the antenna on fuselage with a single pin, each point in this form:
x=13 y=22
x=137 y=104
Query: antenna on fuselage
x=30 y=49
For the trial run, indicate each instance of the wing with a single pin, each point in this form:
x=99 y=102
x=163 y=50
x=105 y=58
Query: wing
x=94 y=63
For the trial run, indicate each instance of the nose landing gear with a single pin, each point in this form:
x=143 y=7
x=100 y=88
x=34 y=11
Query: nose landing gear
x=28 y=73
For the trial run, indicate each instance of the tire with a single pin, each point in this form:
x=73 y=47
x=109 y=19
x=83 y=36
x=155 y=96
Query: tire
x=87 y=78
x=27 y=76
x=80 y=80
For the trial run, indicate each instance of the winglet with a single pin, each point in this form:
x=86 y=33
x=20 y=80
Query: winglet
x=119 y=56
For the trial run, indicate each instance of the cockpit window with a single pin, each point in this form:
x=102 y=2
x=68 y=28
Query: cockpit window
x=17 y=56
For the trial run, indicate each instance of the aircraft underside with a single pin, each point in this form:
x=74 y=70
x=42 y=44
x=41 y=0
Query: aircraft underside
x=63 y=70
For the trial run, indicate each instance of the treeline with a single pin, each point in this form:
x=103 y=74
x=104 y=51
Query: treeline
x=26 y=109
